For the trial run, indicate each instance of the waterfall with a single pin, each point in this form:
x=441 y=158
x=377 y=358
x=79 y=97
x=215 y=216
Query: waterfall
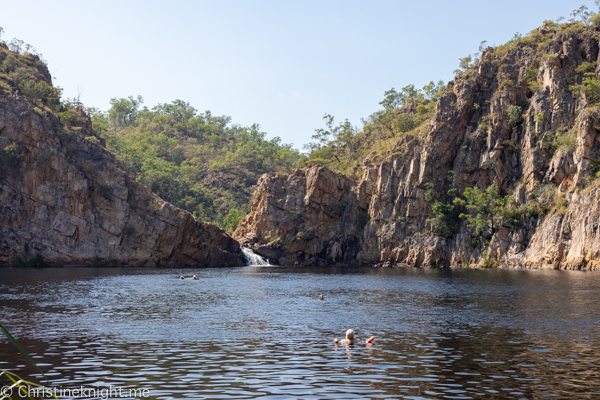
x=252 y=258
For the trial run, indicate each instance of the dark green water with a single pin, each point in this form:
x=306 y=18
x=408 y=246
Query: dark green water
x=262 y=332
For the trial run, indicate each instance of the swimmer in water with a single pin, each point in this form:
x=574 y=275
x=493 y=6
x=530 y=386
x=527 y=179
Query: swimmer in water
x=350 y=339
x=181 y=278
x=321 y=297
x=194 y=277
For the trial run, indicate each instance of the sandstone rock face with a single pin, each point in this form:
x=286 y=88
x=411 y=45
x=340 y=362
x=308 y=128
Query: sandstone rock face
x=472 y=140
x=67 y=199
x=310 y=217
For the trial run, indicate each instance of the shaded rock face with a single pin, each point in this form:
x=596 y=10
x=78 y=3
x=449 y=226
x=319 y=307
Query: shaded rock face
x=310 y=217
x=67 y=199
x=471 y=140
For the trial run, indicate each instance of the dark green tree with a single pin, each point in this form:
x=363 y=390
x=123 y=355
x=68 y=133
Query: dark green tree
x=485 y=210
x=233 y=219
x=442 y=214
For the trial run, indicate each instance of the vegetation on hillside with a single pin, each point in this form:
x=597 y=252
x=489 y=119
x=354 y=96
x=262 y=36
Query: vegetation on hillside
x=209 y=166
x=406 y=114
x=24 y=74
x=198 y=161
x=343 y=147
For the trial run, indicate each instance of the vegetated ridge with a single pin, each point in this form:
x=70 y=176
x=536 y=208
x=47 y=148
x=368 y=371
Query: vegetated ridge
x=197 y=161
x=500 y=167
x=64 y=200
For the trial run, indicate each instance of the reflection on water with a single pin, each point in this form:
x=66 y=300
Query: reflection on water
x=262 y=332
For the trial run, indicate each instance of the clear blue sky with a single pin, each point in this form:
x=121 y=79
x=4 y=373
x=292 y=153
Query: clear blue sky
x=278 y=63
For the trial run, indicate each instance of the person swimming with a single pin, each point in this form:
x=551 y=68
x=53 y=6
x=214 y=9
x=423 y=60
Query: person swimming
x=321 y=297
x=194 y=277
x=181 y=278
x=350 y=339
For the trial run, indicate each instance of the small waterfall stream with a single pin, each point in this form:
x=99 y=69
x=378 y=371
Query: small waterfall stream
x=252 y=258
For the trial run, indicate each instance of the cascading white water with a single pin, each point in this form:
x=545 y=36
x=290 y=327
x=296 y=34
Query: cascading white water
x=252 y=258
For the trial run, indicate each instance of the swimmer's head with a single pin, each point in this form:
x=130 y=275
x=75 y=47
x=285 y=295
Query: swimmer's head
x=350 y=334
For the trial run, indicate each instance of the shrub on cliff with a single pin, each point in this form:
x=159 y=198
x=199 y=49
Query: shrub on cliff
x=485 y=209
x=40 y=91
x=465 y=64
x=24 y=74
x=9 y=156
x=405 y=123
x=514 y=115
x=9 y=152
x=441 y=220
x=586 y=83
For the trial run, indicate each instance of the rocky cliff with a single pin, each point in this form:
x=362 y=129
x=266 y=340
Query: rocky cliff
x=312 y=216
x=524 y=117
x=63 y=196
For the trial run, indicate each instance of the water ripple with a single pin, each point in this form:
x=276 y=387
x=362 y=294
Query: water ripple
x=261 y=332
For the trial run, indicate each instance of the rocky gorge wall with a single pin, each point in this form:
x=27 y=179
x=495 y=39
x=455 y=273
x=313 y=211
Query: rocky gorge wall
x=66 y=198
x=474 y=139
x=309 y=217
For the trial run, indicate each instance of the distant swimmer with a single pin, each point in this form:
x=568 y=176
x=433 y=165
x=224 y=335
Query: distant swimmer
x=350 y=339
x=321 y=297
x=181 y=278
